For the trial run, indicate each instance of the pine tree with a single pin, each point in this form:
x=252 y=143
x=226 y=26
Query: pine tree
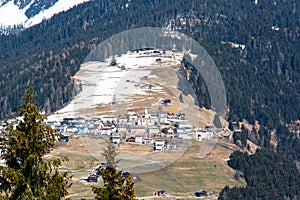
x=230 y=126
x=114 y=185
x=27 y=175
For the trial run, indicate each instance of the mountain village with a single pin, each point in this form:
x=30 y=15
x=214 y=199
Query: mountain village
x=163 y=127
x=146 y=128
x=163 y=123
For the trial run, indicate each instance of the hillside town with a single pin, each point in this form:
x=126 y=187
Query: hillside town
x=155 y=128
x=161 y=130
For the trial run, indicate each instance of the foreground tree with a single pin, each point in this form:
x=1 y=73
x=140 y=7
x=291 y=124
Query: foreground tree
x=27 y=175
x=114 y=185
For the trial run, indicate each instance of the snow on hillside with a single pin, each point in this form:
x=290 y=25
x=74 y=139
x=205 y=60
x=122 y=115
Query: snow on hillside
x=103 y=84
x=12 y=14
x=60 y=6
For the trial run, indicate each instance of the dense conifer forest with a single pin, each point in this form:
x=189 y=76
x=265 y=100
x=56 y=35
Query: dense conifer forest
x=265 y=178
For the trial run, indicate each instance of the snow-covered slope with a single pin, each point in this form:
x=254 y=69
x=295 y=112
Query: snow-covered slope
x=10 y=15
x=31 y=12
x=103 y=84
x=60 y=6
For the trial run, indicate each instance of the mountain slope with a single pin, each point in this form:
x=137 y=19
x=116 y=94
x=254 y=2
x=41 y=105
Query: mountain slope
x=262 y=79
x=27 y=13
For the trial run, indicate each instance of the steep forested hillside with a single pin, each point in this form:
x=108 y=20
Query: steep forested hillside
x=265 y=178
x=262 y=78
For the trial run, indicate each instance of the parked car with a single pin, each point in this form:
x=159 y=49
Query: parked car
x=160 y=193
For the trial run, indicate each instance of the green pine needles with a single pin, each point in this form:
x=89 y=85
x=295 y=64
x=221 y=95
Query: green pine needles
x=114 y=186
x=27 y=175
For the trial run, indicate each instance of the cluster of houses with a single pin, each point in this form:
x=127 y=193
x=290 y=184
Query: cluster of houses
x=160 y=129
x=156 y=128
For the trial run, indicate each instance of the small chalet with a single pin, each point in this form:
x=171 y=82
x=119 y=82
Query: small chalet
x=122 y=120
x=159 y=145
x=116 y=138
x=148 y=141
x=200 y=193
x=108 y=118
x=168 y=132
x=137 y=130
x=153 y=130
x=166 y=102
x=144 y=122
x=130 y=139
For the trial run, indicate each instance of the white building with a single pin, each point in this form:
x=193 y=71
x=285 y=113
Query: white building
x=145 y=122
x=159 y=145
x=200 y=135
x=148 y=141
x=139 y=139
x=185 y=134
x=109 y=118
x=116 y=138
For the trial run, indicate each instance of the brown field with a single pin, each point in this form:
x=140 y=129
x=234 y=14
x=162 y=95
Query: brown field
x=188 y=173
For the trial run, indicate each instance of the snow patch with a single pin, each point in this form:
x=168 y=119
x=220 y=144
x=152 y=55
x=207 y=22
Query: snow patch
x=60 y=6
x=11 y=15
x=105 y=84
